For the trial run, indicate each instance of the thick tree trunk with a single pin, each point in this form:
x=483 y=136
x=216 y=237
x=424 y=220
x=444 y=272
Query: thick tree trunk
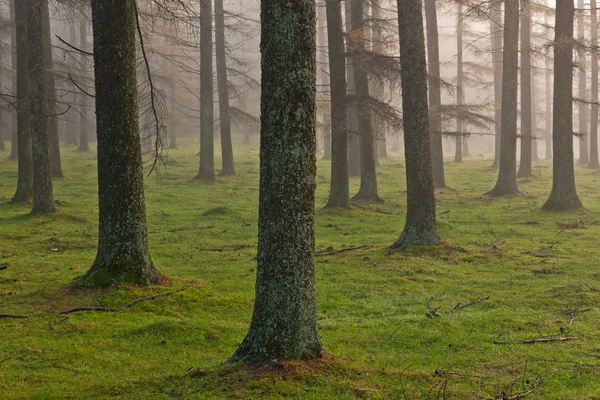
x=123 y=254
x=352 y=121
x=435 y=94
x=564 y=193
x=507 y=175
x=584 y=158
x=548 y=123
x=14 y=145
x=339 y=191
x=207 y=160
x=24 y=191
x=496 y=35
x=420 y=228
x=458 y=154
x=43 y=202
x=526 y=120
x=284 y=323
x=83 y=98
x=594 y=89
x=228 y=167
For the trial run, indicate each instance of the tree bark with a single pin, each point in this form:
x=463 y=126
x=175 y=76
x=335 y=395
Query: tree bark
x=548 y=123
x=24 y=191
x=458 y=154
x=420 y=227
x=14 y=145
x=564 y=193
x=123 y=255
x=323 y=81
x=284 y=323
x=435 y=95
x=339 y=191
x=507 y=175
x=83 y=98
x=584 y=158
x=353 y=139
x=594 y=89
x=496 y=35
x=526 y=120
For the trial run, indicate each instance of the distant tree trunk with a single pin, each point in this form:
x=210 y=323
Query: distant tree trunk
x=534 y=124
x=339 y=191
x=228 y=167
x=284 y=323
x=2 y=112
x=173 y=126
x=353 y=139
x=526 y=120
x=564 y=194
x=123 y=254
x=83 y=100
x=14 y=145
x=594 y=88
x=72 y=115
x=496 y=35
x=420 y=228
x=507 y=175
x=378 y=47
x=458 y=155
x=323 y=81
x=584 y=158
x=24 y=191
x=207 y=161
x=43 y=202
x=548 y=124
x=368 y=173
x=435 y=94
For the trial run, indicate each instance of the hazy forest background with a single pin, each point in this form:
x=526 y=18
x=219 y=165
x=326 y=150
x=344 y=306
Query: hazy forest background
x=331 y=199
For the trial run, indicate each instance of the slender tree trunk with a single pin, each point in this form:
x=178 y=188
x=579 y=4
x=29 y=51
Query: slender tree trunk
x=507 y=175
x=548 y=123
x=420 y=227
x=378 y=86
x=14 y=145
x=43 y=202
x=72 y=115
x=83 y=98
x=526 y=120
x=534 y=124
x=584 y=158
x=123 y=255
x=594 y=89
x=353 y=138
x=322 y=76
x=458 y=155
x=564 y=193
x=496 y=28
x=24 y=191
x=435 y=94
x=339 y=191
x=284 y=323
x=207 y=161
x=4 y=103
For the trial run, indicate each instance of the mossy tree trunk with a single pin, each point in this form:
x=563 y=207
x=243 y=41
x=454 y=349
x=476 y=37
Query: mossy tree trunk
x=458 y=154
x=123 y=255
x=207 y=156
x=564 y=193
x=507 y=175
x=284 y=323
x=526 y=109
x=496 y=46
x=435 y=94
x=584 y=158
x=339 y=190
x=594 y=89
x=228 y=167
x=14 y=145
x=83 y=98
x=420 y=227
x=24 y=191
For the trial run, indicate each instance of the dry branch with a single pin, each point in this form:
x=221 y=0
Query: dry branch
x=2 y=316
x=459 y=306
x=538 y=340
x=3 y=267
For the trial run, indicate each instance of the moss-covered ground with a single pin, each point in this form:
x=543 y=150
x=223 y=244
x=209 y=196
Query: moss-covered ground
x=386 y=319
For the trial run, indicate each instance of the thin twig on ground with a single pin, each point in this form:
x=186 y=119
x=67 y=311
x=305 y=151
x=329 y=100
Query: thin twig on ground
x=471 y=303
x=342 y=250
x=538 y=340
x=2 y=316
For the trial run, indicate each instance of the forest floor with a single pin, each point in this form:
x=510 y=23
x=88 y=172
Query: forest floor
x=392 y=324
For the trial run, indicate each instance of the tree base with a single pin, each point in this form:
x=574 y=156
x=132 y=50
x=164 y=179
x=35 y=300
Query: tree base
x=104 y=276
x=554 y=203
x=594 y=164
x=84 y=149
x=410 y=237
x=499 y=191
x=259 y=353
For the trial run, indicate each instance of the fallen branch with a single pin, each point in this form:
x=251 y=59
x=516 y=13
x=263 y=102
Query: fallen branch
x=459 y=306
x=3 y=267
x=539 y=340
x=111 y=309
x=503 y=396
x=2 y=316
x=342 y=250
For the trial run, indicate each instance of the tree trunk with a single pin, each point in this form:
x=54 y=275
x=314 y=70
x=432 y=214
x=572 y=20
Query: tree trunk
x=594 y=89
x=584 y=158
x=353 y=139
x=339 y=191
x=420 y=228
x=43 y=202
x=548 y=123
x=507 y=175
x=228 y=167
x=207 y=161
x=526 y=120
x=284 y=323
x=123 y=255
x=435 y=95
x=83 y=98
x=534 y=124
x=24 y=191
x=564 y=194
x=458 y=154
x=378 y=86
x=496 y=35
x=4 y=103
x=14 y=145
x=323 y=81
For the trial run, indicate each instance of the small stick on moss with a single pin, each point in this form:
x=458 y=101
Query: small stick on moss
x=112 y=309
x=538 y=340
x=3 y=267
x=342 y=250
x=471 y=303
x=2 y=316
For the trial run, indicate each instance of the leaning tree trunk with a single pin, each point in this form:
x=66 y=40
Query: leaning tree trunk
x=207 y=160
x=25 y=175
x=228 y=167
x=526 y=120
x=507 y=175
x=339 y=191
x=284 y=323
x=496 y=35
x=14 y=145
x=584 y=159
x=83 y=98
x=40 y=108
x=353 y=138
x=123 y=255
x=420 y=226
x=594 y=88
x=435 y=94
x=564 y=193
x=458 y=155
x=548 y=112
